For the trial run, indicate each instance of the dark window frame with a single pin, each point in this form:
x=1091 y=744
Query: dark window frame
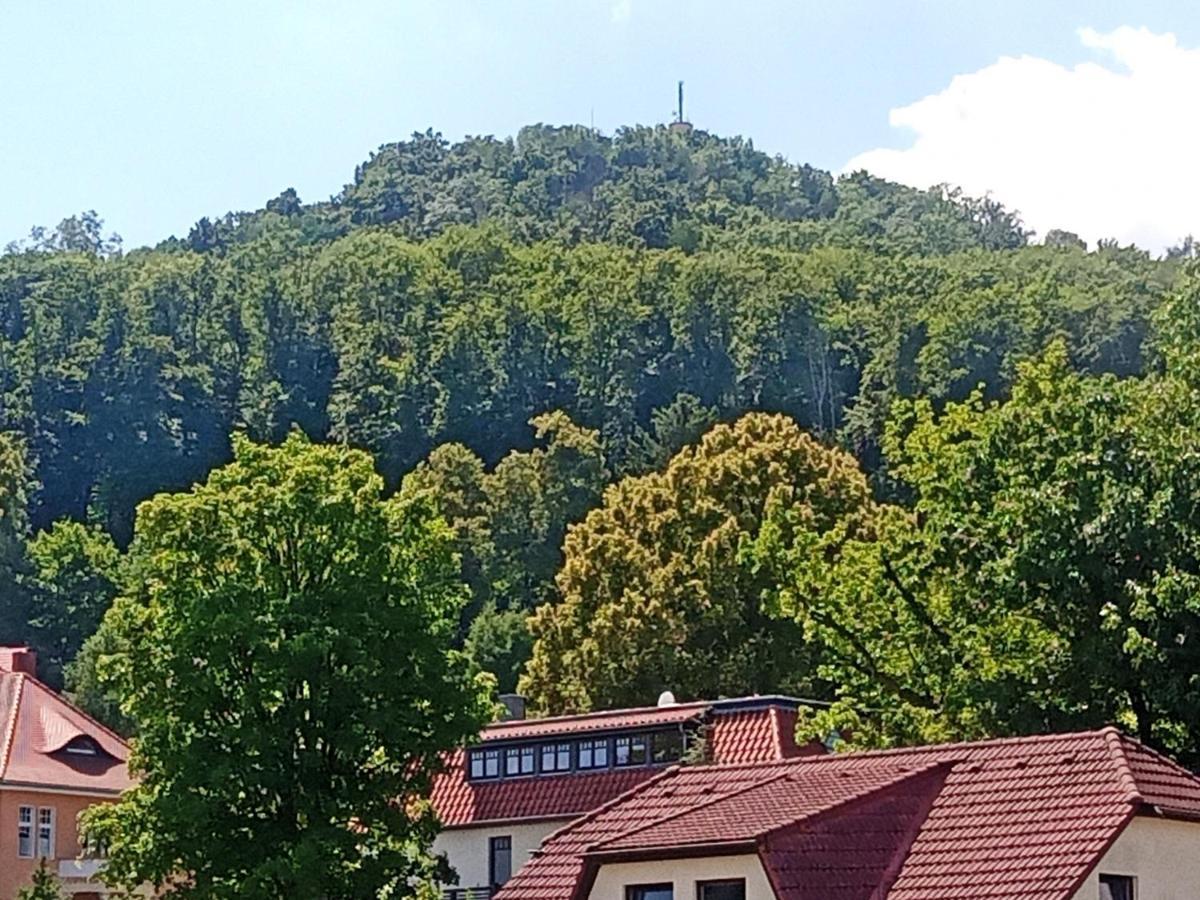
x=593 y=747
x=641 y=891
x=701 y=886
x=631 y=741
x=1127 y=885
x=499 y=843
x=554 y=751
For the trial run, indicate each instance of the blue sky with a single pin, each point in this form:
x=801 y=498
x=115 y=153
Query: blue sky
x=158 y=113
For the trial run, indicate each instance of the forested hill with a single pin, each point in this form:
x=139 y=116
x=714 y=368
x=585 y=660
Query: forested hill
x=642 y=187
x=625 y=292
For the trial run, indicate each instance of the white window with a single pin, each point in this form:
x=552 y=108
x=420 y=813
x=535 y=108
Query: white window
x=556 y=757
x=45 y=833
x=25 y=832
x=593 y=754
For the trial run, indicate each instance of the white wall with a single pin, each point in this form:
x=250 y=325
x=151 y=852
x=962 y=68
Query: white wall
x=1163 y=855
x=467 y=848
x=684 y=873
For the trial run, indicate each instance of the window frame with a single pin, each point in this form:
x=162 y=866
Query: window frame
x=1130 y=880
x=640 y=891
x=495 y=843
x=719 y=882
x=631 y=741
x=46 y=832
x=26 y=834
x=593 y=747
x=555 y=752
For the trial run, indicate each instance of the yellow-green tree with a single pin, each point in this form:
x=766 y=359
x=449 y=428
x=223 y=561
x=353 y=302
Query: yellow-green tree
x=656 y=588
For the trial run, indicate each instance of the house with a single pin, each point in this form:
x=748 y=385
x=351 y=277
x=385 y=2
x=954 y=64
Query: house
x=1089 y=816
x=55 y=761
x=525 y=779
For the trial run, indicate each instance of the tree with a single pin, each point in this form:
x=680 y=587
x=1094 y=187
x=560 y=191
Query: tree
x=288 y=673
x=655 y=589
x=15 y=484
x=72 y=583
x=1046 y=580
x=43 y=886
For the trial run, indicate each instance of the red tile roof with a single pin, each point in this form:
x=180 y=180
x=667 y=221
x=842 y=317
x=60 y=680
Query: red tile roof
x=36 y=724
x=608 y=720
x=1025 y=817
x=750 y=729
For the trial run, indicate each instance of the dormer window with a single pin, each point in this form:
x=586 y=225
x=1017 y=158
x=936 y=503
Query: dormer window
x=83 y=746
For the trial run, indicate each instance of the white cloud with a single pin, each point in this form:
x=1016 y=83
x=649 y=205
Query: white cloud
x=1105 y=149
x=622 y=11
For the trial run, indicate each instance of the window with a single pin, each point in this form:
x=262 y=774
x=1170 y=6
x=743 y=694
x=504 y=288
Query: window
x=485 y=763
x=1116 y=887
x=499 y=860
x=650 y=891
x=730 y=889
x=556 y=757
x=631 y=750
x=593 y=754
x=25 y=832
x=518 y=761
x=45 y=832
x=83 y=746
x=667 y=746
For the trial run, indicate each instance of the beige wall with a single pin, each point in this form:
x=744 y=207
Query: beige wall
x=684 y=873
x=1163 y=855
x=467 y=848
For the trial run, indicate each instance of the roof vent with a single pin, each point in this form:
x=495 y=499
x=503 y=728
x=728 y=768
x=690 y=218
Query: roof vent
x=666 y=698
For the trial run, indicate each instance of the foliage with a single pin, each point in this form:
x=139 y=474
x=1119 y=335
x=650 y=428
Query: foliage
x=1045 y=579
x=655 y=592
x=72 y=583
x=288 y=672
x=43 y=886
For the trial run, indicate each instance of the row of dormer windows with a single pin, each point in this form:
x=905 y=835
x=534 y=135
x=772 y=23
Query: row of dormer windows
x=580 y=755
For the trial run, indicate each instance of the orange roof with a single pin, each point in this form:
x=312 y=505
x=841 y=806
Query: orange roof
x=36 y=725
x=1025 y=817
x=746 y=729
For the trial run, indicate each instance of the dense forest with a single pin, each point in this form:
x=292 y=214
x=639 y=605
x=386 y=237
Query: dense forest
x=840 y=411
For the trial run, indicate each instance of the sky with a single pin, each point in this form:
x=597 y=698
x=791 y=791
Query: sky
x=158 y=112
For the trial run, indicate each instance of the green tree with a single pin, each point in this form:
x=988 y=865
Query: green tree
x=288 y=673
x=43 y=886
x=655 y=591
x=72 y=583
x=15 y=485
x=1046 y=579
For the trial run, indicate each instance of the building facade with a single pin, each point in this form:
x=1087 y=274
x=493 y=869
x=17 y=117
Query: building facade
x=526 y=779
x=55 y=761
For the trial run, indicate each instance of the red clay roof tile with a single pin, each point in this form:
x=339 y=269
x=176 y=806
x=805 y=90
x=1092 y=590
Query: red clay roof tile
x=1024 y=817
x=36 y=724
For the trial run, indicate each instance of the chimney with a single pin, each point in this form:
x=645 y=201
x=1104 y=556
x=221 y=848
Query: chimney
x=514 y=707
x=18 y=659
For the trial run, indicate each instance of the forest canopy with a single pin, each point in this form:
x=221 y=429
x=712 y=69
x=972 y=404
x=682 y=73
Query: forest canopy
x=533 y=336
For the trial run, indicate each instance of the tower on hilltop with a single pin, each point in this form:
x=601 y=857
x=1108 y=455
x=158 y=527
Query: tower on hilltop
x=681 y=125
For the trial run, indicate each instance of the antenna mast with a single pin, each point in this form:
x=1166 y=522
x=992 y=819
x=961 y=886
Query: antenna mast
x=681 y=125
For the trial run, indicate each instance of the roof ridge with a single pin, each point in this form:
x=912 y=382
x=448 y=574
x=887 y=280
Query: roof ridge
x=1116 y=751
x=60 y=698
x=909 y=751
x=598 y=714
x=689 y=809
x=900 y=776
x=6 y=739
x=593 y=814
